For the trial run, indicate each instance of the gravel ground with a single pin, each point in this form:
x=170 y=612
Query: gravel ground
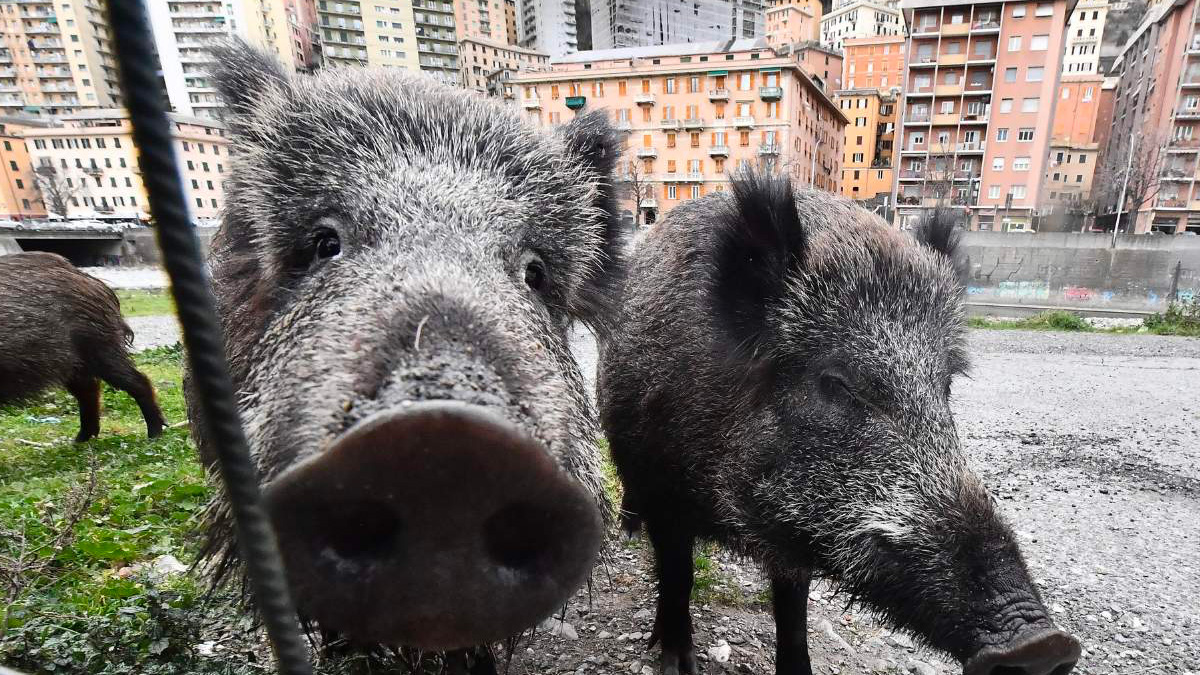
x=1090 y=442
x=129 y=277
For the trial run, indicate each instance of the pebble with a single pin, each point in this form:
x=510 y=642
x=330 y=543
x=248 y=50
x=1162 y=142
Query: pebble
x=721 y=652
x=561 y=629
x=921 y=668
x=901 y=640
x=642 y=615
x=604 y=635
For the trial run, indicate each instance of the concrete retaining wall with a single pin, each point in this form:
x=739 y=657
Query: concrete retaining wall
x=144 y=248
x=1081 y=272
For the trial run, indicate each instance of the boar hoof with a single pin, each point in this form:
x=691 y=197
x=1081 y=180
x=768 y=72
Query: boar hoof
x=679 y=663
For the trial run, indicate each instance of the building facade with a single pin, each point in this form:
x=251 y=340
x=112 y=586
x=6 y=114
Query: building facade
x=19 y=195
x=860 y=19
x=483 y=19
x=548 y=26
x=1074 y=149
x=374 y=32
x=618 y=24
x=870 y=148
x=286 y=29
x=792 y=21
x=56 y=57
x=1085 y=32
x=981 y=84
x=692 y=114
x=437 y=39
x=484 y=61
x=89 y=164
x=1155 y=126
x=873 y=62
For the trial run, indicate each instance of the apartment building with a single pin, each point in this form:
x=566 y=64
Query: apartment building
x=511 y=33
x=870 y=149
x=617 y=24
x=693 y=113
x=91 y=165
x=19 y=195
x=375 y=32
x=480 y=59
x=482 y=19
x=979 y=98
x=286 y=29
x=821 y=63
x=1085 y=31
x=437 y=39
x=548 y=26
x=873 y=62
x=792 y=21
x=1156 y=113
x=859 y=19
x=56 y=57
x=1074 y=148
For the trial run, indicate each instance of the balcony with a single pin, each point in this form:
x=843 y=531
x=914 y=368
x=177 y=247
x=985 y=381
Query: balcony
x=49 y=58
x=644 y=99
x=647 y=153
x=534 y=103
x=770 y=93
x=718 y=94
x=1170 y=203
x=1188 y=114
x=650 y=203
x=576 y=102
x=948 y=89
x=54 y=74
x=693 y=123
x=623 y=125
x=985 y=27
x=693 y=177
x=1190 y=80
x=718 y=151
x=7 y=73
x=670 y=125
x=9 y=89
x=1177 y=175
x=768 y=149
x=743 y=122
x=1184 y=144
x=952 y=60
x=911 y=174
x=978 y=88
x=917 y=118
x=923 y=60
x=42 y=29
x=210 y=28
x=975 y=118
x=946 y=119
x=926 y=29
x=919 y=90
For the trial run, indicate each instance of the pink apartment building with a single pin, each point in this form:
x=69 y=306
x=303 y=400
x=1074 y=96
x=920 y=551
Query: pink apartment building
x=981 y=80
x=693 y=113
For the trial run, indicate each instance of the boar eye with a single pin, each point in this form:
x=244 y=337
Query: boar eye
x=535 y=274
x=835 y=388
x=328 y=244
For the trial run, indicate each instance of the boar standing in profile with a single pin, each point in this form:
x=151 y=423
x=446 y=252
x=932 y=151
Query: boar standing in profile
x=779 y=381
x=61 y=327
x=396 y=270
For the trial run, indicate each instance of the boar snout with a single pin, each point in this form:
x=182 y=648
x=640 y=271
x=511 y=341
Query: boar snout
x=1046 y=652
x=436 y=524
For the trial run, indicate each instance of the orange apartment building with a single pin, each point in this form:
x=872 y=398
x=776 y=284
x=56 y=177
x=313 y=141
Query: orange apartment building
x=1156 y=107
x=693 y=113
x=981 y=84
x=869 y=157
x=1074 y=147
x=873 y=62
x=19 y=197
x=487 y=66
x=791 y=21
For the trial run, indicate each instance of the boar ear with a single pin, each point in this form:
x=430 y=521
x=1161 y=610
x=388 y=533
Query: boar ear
x=939 y=231
x=244 y=75
x=592 y=140
x=759 y=241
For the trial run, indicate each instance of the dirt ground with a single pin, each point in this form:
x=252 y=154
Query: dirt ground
x=1092 y=445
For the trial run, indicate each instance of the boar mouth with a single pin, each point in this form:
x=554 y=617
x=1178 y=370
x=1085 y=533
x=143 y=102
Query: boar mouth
x=437 y=525
x=1044 y=651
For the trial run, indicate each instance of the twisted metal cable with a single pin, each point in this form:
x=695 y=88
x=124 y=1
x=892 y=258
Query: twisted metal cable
x=145 y=100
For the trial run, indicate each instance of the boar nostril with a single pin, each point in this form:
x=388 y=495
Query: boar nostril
x=521 y=536
x=1047 y=652
x=364 y=530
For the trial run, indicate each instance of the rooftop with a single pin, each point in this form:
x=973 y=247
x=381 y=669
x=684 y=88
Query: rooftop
x=654 y=51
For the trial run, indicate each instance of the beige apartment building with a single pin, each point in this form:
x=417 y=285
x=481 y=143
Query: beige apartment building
x=483 y=19
x=693 y=113
x=981 y=84
x=285 y=28
x=488 y=66
x=56 y=57
x=870 y=148
x=375 y=32
x=19 y=196
x=792 y=21
x=91 y=163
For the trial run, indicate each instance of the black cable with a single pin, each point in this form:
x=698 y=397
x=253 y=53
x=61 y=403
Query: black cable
x=145 y=100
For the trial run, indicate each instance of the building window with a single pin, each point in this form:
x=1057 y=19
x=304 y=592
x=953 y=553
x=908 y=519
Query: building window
x=1018 y=11
x=1034 y=74
x=1006 y=105
x=1039 y=43
x=1044 y=9
x=1018 y=192
x=1029 y=105
x=993 y=192
x=1010 y=75
x=671 y=192
x=997 y=164
x=1014 y=43
x=1020 y=164
x=1001 y=135
x=1025 y=134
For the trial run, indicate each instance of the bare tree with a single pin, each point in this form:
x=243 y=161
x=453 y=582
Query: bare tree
x=56 y=189
x=1139 y=175
x=637 y=187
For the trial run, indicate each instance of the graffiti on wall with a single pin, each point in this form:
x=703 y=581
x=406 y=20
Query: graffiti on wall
x=1033 y=290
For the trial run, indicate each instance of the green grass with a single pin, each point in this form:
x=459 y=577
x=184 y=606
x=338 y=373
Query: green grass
x=67 y=603
x=145 y=303
x=1048 y=320
x=1179 y=319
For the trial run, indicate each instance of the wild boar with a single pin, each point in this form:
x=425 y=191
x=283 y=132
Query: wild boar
x=779 y=381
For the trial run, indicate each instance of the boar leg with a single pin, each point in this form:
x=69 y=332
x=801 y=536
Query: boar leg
x=789 y=599
x=122 y=374
x=86 y=390
x=673 y=622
